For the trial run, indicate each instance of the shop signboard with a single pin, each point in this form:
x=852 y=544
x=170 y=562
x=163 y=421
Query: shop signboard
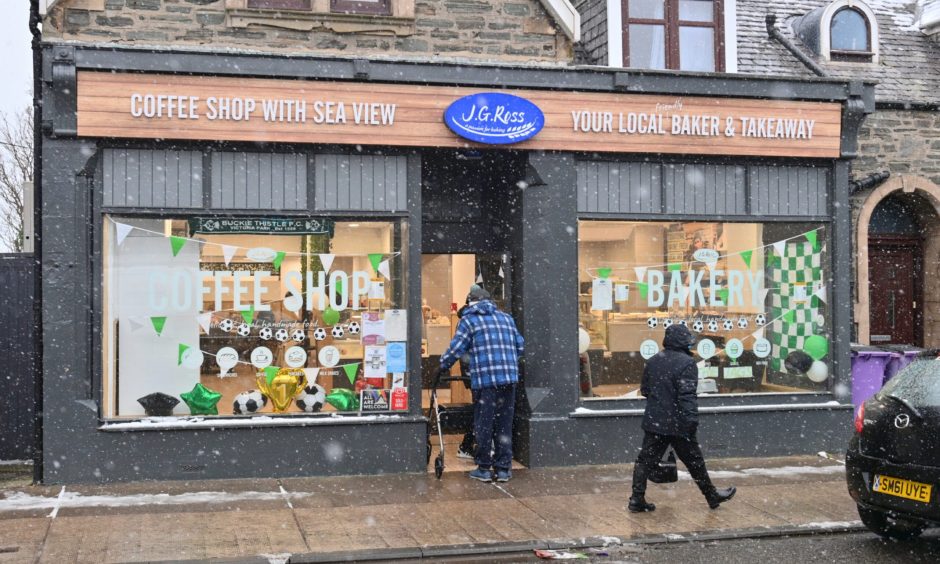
x=261 y=225
x=493 y=118
x=151 y=106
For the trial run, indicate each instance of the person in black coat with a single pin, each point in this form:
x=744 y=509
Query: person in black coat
x=670 y=380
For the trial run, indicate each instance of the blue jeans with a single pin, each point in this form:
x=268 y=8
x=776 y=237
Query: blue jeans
x=492 y=426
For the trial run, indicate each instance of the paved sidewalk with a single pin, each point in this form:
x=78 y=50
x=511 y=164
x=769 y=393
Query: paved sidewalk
x=398 y=515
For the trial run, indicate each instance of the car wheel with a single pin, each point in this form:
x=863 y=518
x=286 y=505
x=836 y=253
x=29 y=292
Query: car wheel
x=885 y=525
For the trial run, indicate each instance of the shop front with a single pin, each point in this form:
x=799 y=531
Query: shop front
x=277 y=258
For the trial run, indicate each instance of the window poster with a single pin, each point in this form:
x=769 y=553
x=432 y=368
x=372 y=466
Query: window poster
x=395 y=356
x=621 y=292
x=375 y=362
x=602 y=294
x=396 y=325
x=373 y=328
x=377 y=290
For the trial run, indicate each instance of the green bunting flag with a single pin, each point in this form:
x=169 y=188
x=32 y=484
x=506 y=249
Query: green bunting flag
x=351 y=370
x=248 y=314
x=375 y=259
x=177 y=244
x=339 y=286
x=269 y=373
x=604 y=272
x=674 y=267
x=158 y=323
x=278 y=260
x=644 y=288
x=723 y=294
x=811 y=237
x=790 y=316
x=746 y=256
x=179 y=356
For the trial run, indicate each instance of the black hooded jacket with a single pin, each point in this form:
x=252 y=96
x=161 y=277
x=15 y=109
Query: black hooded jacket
x=669 y=383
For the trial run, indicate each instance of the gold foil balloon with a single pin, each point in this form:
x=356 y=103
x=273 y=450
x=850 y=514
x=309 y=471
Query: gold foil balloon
x=281 y=387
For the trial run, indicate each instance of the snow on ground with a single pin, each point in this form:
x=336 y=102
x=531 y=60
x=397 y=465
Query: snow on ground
x=831 y=525
x=779 y=472
x=157 y=423
x=21 y=501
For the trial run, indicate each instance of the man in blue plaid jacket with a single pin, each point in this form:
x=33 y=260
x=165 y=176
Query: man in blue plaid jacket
x=495 y=345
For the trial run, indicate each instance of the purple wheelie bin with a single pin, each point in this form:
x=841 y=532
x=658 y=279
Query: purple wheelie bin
x=905 y=354
x=868 y=371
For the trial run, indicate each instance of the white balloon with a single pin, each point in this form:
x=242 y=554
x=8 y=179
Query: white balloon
x=192 y=358
x=226 y=358
x=584 y=340
x=818 y=372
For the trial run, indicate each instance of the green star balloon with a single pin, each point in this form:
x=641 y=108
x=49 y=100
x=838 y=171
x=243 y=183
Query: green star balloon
x=201 y=400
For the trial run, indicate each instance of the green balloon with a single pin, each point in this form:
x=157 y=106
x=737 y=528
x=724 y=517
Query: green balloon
x=330 y=316
x=343 y=399
x=816 y=347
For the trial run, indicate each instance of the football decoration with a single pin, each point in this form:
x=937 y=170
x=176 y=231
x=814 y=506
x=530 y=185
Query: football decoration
x=698 y=326
x=244 y=330
x=667 y=323
x=319 y=333
x=266 y=333
x=712 y=326
x=298 y=336
x=248 y=402
x=742 y=323
x=281 y=336
x=652 y=322
x=761 y=319
x=728 y=325
x=353 y=328
x=227 y=325
x=311 y=399
x=158 y=404
x=338 y=332
x=683 y=323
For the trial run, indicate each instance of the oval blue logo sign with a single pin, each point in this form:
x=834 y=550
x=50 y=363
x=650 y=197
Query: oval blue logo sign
x=494 y=118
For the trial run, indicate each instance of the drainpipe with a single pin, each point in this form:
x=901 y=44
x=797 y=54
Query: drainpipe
x=870 y=181
x=774 y=33
x=34 y=22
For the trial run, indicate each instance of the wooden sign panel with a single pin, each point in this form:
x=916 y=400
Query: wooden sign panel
x=149 y=106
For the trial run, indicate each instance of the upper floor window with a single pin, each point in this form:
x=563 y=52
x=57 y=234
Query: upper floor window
x=374 y=7
x=378 y=7
x=673 y=34
x=850 y=36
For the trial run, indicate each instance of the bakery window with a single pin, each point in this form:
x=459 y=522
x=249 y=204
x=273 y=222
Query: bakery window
x=754 y=296
x=248 y=316
x=673 y=34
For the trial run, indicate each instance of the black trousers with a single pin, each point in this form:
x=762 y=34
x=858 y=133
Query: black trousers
x=687 y=450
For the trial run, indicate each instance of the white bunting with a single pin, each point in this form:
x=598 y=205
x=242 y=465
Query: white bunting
x=763 y=295
x=640 y=273
x=122 y=230
x=135 y=326
x=479 y=279
x=501 y=275
x=780 y=247
x=384 y=271
x=312 y=374
x=228 y=251
x=759 y=334
x=710 y=264
x=821 y=294
x=204 y=319
x=327 y=261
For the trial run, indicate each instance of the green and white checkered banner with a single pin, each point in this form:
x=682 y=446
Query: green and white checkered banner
x=795 y=276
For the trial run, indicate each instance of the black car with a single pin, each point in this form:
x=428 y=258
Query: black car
x=893 y=461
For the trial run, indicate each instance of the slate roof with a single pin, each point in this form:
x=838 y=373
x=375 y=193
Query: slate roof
x=909 y=66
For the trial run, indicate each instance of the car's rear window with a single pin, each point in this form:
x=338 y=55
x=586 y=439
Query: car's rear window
x=918 y=383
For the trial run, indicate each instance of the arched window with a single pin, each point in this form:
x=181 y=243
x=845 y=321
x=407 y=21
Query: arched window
x=850 y=35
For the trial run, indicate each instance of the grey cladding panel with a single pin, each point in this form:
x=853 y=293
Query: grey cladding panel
x=705 y=189
x=361 y=182
x=265 y=181
x=611 y=187
x=789 y=190
x=144 y=178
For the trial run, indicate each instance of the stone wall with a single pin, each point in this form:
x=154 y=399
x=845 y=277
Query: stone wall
x=901 y=141
x=484 y=30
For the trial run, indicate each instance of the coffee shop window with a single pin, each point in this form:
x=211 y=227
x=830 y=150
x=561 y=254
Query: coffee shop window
x=211 y=316
x=754 y=296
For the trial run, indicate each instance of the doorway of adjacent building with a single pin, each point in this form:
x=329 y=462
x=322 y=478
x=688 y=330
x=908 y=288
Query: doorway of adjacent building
x=900 y=231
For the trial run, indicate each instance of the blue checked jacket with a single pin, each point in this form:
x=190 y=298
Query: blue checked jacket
x=494 y=344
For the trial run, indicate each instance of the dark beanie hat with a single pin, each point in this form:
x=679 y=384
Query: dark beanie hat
x=477 y=293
